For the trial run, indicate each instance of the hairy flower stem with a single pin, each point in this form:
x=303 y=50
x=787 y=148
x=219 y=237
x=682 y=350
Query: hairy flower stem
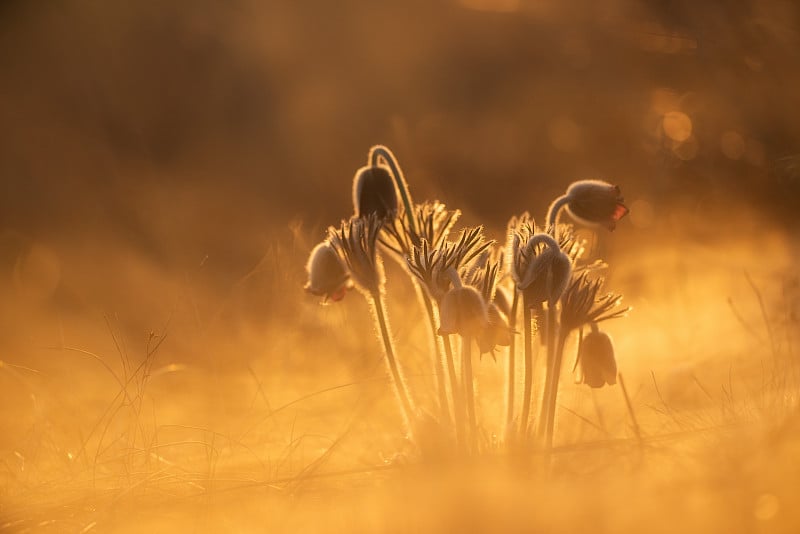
x=435 y=349
x=388 y=348
x=552 y=214
x=526 y=393
x=458 y=399
x=551 y=392
x=381 y=152
x=512 y=355
x=438 y=364
x=466 y=362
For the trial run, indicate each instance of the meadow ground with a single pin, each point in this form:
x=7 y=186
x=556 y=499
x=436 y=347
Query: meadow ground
x=218 y=422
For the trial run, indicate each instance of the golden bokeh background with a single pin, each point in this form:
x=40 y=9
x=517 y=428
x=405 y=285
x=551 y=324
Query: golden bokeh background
x=165 y=168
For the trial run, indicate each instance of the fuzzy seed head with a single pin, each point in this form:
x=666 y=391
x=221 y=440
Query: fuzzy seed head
x=596 y=202
x=463 y=311
x=374 y=193
x=596 y=358
x=326 y=276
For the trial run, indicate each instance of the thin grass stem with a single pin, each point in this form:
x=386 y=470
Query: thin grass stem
x=631 y=413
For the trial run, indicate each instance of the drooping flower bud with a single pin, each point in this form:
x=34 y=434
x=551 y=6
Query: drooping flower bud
x=463 y=311
x=374 y=192
x=326 y=276
x=549 y=275
x=596 y=358
x=497 y=332
x=536 y=263
x=596 y=202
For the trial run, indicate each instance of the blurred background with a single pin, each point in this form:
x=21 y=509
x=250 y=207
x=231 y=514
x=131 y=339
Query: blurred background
x=169 y=165
x=154 y=153
x=172 y=163
x=166 y=166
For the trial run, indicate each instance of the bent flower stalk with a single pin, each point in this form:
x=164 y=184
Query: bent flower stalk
x=472 y=293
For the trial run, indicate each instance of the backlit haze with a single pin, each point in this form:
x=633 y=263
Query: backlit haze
x=166 y=167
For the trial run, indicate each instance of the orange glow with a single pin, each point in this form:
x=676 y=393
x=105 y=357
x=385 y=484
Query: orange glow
x=677 y=126
x=499 y=6
x=732 y=144
x=167 y=168
x=564 y=134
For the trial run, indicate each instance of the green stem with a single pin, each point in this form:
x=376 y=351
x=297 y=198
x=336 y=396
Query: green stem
x=458 y=399
x=466 y=362
x=512 y=354
x=380 y=151
x=526 y=393
x=388 y=347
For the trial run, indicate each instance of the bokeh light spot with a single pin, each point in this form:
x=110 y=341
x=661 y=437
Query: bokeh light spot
x=677 y=126
x=663 y=100
x=767 y=507
x=753 y=63
x=687 y=150
x=732 y=145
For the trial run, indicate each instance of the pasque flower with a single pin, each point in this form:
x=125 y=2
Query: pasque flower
x=582 y=303
x=539 y=267
x=374 y=192
x=497 y=332
x=326 y=276
x=462 y=284
x=592 y=202
x=435 y=267
x=596 y=359
x=463 y=311
x=355 y=242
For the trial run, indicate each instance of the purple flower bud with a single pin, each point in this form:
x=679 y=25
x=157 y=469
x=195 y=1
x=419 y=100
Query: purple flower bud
x=596 y=358
x=326 y=276
x=374 y=192
x=596 y=202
